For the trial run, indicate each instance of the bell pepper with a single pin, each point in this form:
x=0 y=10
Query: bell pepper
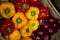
x=34 y=24
x=22 y=6
x=44 y=12
x=1 y=21
x=27 y=38
x=26 y=31
x=34 y=2
x=19 y=20
x=7 y=9
x=14 y=36
x=7 y=27
x=14 y=1
x=32 y=13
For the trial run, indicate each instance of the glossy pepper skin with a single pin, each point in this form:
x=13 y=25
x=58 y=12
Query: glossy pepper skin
x=7 y=27
x=19 y=20
x=34 y=2
x=34 y=24
x=27 y=38
x=44 y=12
x=32 y=13
x=7 y=10
x=14 y=36
x=26 y=31
x=22 y=6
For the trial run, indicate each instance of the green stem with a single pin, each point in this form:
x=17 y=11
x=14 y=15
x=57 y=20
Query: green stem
x=33 y=13
x=8 y=28
x=43 y=14
x=18 y=20
x=33 y=24
x=7 y=11
x=27 y=30
x=24 y=5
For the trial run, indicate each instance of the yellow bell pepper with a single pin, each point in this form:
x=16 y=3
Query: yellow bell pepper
x=14 y=36
x=7 y=9
x=26 y=38
x=34 y=24
x=19 y=20
x=32 y=13
x=26 y=31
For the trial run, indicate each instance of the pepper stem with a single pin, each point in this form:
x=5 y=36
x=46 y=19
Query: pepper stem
x=43 y=14
x=33 y=24
x=8 y=29
x=27 y=30
x=7 y=11
x=18 y=20
x=33 y=13
x=24 y=5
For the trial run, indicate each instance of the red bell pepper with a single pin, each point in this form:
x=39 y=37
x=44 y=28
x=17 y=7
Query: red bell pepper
x=14 y=1
x=34 y=2
x=44 y=12
x=22 y=6
x=7 y=27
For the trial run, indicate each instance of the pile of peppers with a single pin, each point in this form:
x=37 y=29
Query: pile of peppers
x=21 y=18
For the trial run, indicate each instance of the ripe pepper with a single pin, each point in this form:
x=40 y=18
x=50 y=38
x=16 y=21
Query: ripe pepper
x=14 y=36
x=32 y=13
x=34 y=2
x=27 y=38
x=14 y=1
x=7 y=27
x=7 y=9
x=19 y=20
x=44 y=12
x=34 y=24
x=26 y=31
x=22 y=6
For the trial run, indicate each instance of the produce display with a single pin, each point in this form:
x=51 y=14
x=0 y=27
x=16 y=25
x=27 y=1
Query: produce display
x=26 y=20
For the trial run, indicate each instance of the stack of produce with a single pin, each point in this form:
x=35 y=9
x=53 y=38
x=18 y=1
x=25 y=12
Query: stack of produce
x=26 y=20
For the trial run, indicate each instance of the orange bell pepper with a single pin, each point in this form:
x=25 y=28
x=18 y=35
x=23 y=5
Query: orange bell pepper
x=26 y=31
x=14 y=36
x=26 y=38
x=7 y=10
x=19 y=20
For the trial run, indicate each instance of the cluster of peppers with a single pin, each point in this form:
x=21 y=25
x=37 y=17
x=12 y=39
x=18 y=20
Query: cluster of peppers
x=23 y=22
